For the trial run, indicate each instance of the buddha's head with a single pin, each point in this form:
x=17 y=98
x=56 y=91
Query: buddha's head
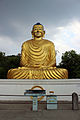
x=38 y=31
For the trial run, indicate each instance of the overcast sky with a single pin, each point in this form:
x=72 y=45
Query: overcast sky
x=60 y=18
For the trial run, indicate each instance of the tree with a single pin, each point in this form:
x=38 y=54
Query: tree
x=8 y=62
x=71 y=61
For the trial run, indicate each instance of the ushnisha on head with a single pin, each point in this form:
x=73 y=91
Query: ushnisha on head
x=38 y=31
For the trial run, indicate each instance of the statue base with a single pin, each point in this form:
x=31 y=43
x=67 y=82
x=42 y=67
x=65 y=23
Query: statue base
x=18 y=86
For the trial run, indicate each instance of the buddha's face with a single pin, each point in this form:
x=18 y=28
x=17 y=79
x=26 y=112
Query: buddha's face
x=38 y=31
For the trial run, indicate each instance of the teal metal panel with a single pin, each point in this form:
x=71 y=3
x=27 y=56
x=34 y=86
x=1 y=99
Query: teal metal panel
x=35 y=103
x=51 y=102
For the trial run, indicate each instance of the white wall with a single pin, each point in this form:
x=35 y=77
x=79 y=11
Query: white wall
x=18 y=87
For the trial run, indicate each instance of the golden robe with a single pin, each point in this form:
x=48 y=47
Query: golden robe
x=38 y=61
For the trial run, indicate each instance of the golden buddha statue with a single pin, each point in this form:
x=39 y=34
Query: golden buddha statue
x=38 y=60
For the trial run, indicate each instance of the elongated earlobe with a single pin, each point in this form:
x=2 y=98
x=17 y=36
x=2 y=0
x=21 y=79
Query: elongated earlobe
x=32 y=34
x=44 y=34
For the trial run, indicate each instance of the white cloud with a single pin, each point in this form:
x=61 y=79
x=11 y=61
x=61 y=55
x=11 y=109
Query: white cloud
x=75 y=29
x=66 y=37
x=8 y=45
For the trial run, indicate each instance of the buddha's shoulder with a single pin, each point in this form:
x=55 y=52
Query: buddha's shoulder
x=45 y=41
x=48 y=42
x=27 y=42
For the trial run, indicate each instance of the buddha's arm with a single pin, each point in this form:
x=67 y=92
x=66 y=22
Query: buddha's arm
x=51 y=60
x=23 y=61
x=52 y=56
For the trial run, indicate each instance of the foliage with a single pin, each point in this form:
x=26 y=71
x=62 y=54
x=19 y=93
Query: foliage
x=71 y=61
x=6 y=63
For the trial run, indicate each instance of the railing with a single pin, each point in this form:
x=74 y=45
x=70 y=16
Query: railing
x=74 y=104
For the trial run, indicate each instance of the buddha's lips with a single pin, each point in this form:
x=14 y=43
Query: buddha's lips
x=38 y=33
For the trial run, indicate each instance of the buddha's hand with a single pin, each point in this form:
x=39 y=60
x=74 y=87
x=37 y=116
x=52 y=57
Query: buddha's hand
x=36 y=66
x=46 y=67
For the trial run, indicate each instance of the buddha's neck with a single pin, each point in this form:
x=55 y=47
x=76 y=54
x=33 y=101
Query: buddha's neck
x=38 y=39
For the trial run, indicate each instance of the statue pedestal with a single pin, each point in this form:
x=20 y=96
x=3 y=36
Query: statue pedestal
x=18 y=87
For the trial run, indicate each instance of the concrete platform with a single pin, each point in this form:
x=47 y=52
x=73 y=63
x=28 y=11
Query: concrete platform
x=18 y=87
x=22 y=111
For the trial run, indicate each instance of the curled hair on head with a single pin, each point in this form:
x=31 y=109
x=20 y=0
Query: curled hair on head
x=38 y=24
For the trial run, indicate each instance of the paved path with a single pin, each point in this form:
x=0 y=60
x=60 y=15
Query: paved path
x=12 y=111
x=40 y=115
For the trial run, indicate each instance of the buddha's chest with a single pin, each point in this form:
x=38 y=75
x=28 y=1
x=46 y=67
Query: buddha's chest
x=37 y=49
